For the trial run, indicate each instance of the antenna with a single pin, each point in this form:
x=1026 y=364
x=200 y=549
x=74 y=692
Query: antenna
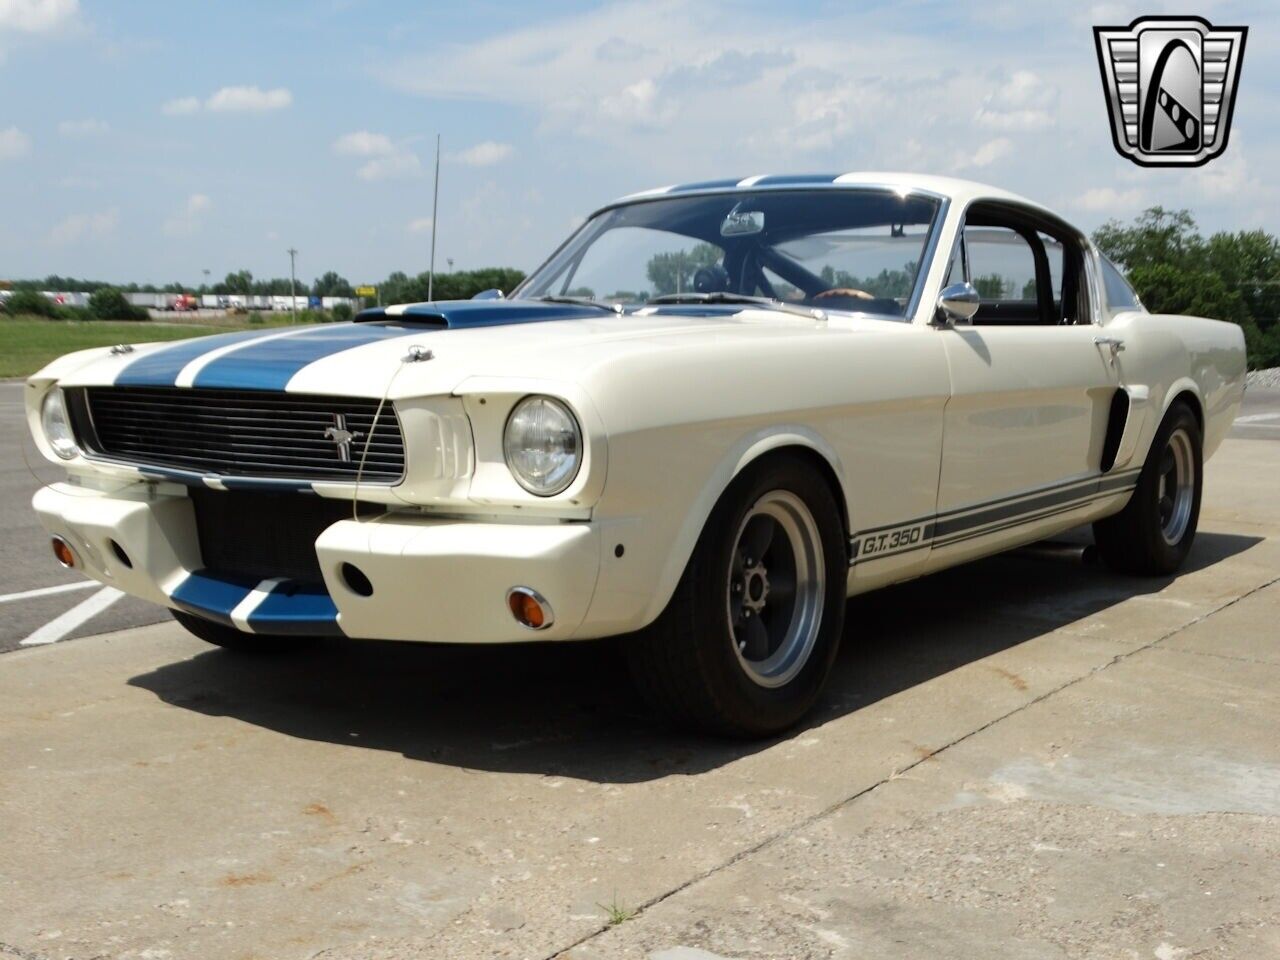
x=435 y=206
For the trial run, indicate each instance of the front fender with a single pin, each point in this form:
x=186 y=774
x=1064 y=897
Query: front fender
x=636 y=586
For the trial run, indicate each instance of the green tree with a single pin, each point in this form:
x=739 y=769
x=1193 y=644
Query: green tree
x=673 y=272
x=108 y=303
x=30 y=303
x=990 y=286
x=1231 y=276
x=332 y=285
x=240 y=282
x=1156 y=236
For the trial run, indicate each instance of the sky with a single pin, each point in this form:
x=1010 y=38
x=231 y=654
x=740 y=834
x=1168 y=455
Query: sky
x=152 y=141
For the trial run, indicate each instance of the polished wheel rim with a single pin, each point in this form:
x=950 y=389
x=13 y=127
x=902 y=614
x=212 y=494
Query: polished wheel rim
x=1176 y=488
x=776 y=587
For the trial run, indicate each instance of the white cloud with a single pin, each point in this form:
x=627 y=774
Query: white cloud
x=394 y=166
x=13 y=143
x=485 y=154
x=84 y=226
x=387 y=160
x=987 y=154
x=181 y=105
x=1109 y=200
x=362 y=143
x=78 y=129
x=1021 y=102
x=419 y=225
x=37 y=16
x=244 y=99
x=189 y=219
x=248 y=100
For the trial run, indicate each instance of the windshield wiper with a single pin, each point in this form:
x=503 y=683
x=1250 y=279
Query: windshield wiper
x=721 y=296
x=580 y=302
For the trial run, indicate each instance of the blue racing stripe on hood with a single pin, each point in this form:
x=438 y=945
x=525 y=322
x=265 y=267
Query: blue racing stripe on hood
x=160 y=368
x=271 y=365
x=460 y=314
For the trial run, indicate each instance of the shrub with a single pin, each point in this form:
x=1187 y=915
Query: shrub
x=341 y=312
x=108 y=303
x=255 y=317
x=67 y=312
x=30 y=303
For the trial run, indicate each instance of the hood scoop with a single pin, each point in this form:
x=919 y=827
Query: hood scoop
x=462 y=314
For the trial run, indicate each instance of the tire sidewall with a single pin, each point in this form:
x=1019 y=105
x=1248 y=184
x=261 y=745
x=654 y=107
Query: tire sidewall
x=1147 y=495
x=749 y=705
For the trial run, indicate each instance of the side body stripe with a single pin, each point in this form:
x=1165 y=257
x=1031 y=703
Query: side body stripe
x=981 y=519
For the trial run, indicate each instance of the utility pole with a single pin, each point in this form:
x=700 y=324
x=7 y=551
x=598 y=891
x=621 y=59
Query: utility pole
x=293 y=284
x=435 y=206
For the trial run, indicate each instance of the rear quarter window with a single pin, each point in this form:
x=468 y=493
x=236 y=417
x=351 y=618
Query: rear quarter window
x=1120 y=295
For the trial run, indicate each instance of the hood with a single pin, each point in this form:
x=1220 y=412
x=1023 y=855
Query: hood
x=466 y=338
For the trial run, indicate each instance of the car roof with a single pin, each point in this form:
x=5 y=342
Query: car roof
x=958 y=190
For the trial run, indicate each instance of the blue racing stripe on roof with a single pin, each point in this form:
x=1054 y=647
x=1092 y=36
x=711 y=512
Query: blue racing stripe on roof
x=705 y=185
x=271 y=365
x=795 y=179
x=160 y=368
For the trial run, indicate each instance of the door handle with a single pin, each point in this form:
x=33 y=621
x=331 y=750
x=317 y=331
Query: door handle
x=1114 y=344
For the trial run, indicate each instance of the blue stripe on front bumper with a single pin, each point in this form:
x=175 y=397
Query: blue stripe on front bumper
x=209 y=596
x=291 y=608
x=296 y=608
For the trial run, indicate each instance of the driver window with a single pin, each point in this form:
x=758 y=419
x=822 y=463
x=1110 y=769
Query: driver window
x=1001 y=264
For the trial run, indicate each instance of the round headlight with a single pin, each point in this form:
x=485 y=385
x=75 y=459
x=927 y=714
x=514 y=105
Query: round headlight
x=542 y=445
x=57 y=429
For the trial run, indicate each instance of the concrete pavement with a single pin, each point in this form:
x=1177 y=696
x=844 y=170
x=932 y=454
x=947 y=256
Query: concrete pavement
x=1024 y=758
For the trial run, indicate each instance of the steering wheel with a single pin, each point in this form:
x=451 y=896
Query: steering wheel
x=850 y=292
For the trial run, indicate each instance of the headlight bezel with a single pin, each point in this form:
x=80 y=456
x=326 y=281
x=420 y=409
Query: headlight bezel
x=563 y=480
x=55 y=423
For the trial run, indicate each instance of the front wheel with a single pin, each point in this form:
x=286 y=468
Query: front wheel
x=1152 y=535
x=747 y=641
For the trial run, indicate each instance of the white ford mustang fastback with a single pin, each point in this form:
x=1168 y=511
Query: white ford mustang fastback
x=713 y=414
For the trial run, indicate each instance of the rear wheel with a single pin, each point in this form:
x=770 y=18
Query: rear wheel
x=1153 y=534
x=232 y=639
x=747 y=641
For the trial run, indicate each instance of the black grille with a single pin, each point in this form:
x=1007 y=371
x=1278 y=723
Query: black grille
x=261 y=535
x=245 y=433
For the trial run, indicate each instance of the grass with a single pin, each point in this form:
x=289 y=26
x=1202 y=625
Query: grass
x=615 y=912
x=28 y=343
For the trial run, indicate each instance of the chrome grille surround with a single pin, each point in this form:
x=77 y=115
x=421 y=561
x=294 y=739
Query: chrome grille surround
x=246 y=433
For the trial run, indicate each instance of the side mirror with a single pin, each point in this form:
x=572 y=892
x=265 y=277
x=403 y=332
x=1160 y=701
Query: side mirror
x=493 y=293
x=956 y=304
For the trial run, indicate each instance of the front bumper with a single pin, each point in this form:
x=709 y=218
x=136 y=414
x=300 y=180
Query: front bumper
x=432 y=580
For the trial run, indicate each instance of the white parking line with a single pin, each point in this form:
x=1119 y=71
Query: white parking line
x=47 y=591
x=59 y=627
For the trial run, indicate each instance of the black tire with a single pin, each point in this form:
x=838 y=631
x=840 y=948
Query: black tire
x=1143 y=538
x=230 y=638
x=687 y=664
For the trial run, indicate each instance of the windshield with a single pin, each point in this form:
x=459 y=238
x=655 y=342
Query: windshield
x=856 y=250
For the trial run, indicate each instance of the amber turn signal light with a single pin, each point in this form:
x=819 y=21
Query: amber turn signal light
x=65 y=554
x=530 y=608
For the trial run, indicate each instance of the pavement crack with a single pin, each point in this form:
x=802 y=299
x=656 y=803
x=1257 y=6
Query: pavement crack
x=838 y=805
